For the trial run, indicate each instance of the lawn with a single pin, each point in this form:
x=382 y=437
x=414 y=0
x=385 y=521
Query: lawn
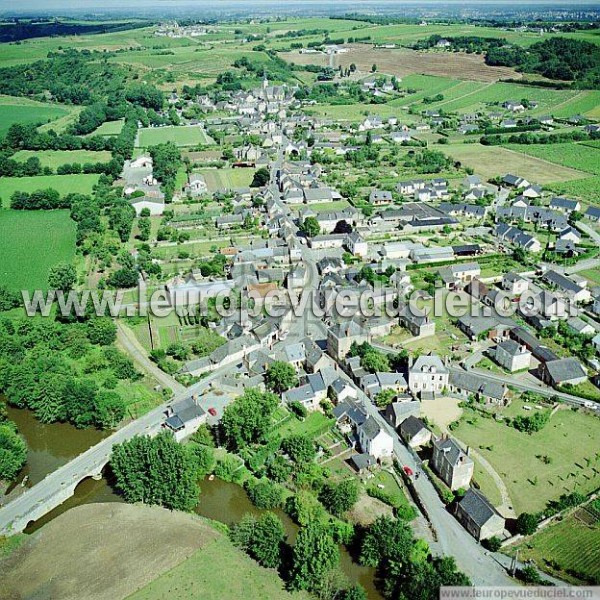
x=570 y=441
x=31 y=243
x=27 y=112
x=494 y=161
x=315 y=424
x=185 y=135
x=63 y=184
x=577 y=156
x=226 y=179
x=564 y=548
x=108 y=128
x=216 y=571
x=56 y=158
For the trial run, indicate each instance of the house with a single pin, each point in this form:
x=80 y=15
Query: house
x=310 y=394
x=419 y=324
x=570 y=234
x=571 y=288
x=513 y=106
x=348 y=415
x=593 y=213
x=380 y=197
x=340 y=337
x=357 y=245
x=414 y=432
x=460 y=274
x=340 y=390
x=397 y=412
x=196 y=185
x=596 y=342
x=519 y=238
x=427 y=374
x=184 y=418
x=452 y=465
x=156 y=205
x=512 y=356
x=478 y=516
x=363 y=463
x=374 y=440
x=564 y=205
x=514 y=283
x=580 y=326
x=466 y=384
x=563 y=371
x=515 y=181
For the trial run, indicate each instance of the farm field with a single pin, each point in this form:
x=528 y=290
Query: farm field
x=570 y=545
x=587 y=189
x=576 y=156
x=63 y=184
x=27 y=112
x=108 y=128
x=494 y=161
x=220 y=179
x=56 y=158
x=403 y=61
x=191 y=135
x=31 y=243
x=569 y=440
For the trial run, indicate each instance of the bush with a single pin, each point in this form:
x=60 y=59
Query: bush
x=264 y=493
x=493 y=544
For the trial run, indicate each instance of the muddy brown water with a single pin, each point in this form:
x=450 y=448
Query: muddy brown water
x=53 y=445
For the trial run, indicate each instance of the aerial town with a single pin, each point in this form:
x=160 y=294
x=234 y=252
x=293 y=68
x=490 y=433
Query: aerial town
x=352 y=343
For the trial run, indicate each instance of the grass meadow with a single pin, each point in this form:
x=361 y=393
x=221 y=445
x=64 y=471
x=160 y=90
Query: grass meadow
x=31 y=243
x=56 y=158
x=576 y=156
x=63 y=184
x=191 y=135
x=27 y=112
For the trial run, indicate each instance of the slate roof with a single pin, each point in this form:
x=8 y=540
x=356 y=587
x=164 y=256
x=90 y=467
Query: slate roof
x=565 y=369
x=475 y=384
x=411 y=425
x=477 y=507
x=451 y=450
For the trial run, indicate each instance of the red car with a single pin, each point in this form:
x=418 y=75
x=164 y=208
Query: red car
x=212 y=411
x=408 y=471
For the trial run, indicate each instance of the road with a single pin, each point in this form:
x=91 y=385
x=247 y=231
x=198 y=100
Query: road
x=452 y=538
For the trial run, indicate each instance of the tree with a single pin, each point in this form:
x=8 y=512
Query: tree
x=526 y=523
x=261 y=538
x=247 y=420
x=13 y=452
x=109 y=409
x=387 y=541
x=384 y=398
x=264 y=493
x=280 y=376
x=315 y=554
x=339 y=498
x=203 y=459
x=261 y=177
x=373 y=68
x=493 y=544
x=342 y=227
x=101 y=331
x=356 y=592
x=62 y=277
x=310 y=227
x=155 y=470
x=300 y=448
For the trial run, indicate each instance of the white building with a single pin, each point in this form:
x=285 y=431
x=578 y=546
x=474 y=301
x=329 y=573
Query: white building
x=427 y=374
x=374 y=440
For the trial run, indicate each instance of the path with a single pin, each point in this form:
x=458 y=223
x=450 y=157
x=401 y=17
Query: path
x=127 y=340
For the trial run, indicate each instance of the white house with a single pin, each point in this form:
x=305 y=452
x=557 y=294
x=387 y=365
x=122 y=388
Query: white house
x=374 y=440
x=428 y=374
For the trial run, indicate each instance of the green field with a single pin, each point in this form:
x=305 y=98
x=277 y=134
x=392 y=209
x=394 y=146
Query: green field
x=109 y=128
x=570 y=440
x=577 y=156
x=220 y=179
x=27 y=112
x=31 y=243
x=587 y=189
x=570 y=545
x=191 y=135
x=217 y=571
x=63 y=184
x=56 y=158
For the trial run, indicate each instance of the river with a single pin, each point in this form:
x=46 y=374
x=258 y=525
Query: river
x=51 y=446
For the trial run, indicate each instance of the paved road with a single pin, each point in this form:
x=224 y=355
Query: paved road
x=138 y=354
x=590 y=231
x=452 y=538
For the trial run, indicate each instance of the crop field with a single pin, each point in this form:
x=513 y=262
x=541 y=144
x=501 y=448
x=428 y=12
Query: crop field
x=190 y=135
x=569 y=440
x=577 y=156
x=494 y=161
x=567 y=546
x=587 y=189
x=403 y=61
x=56 y=158
x=31 y=243
x=63 y=184
x=227 y=179
x=497 y=93
x=27 y=112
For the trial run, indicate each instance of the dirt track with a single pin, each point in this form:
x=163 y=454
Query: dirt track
x=101 y=552
x=402 y=62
